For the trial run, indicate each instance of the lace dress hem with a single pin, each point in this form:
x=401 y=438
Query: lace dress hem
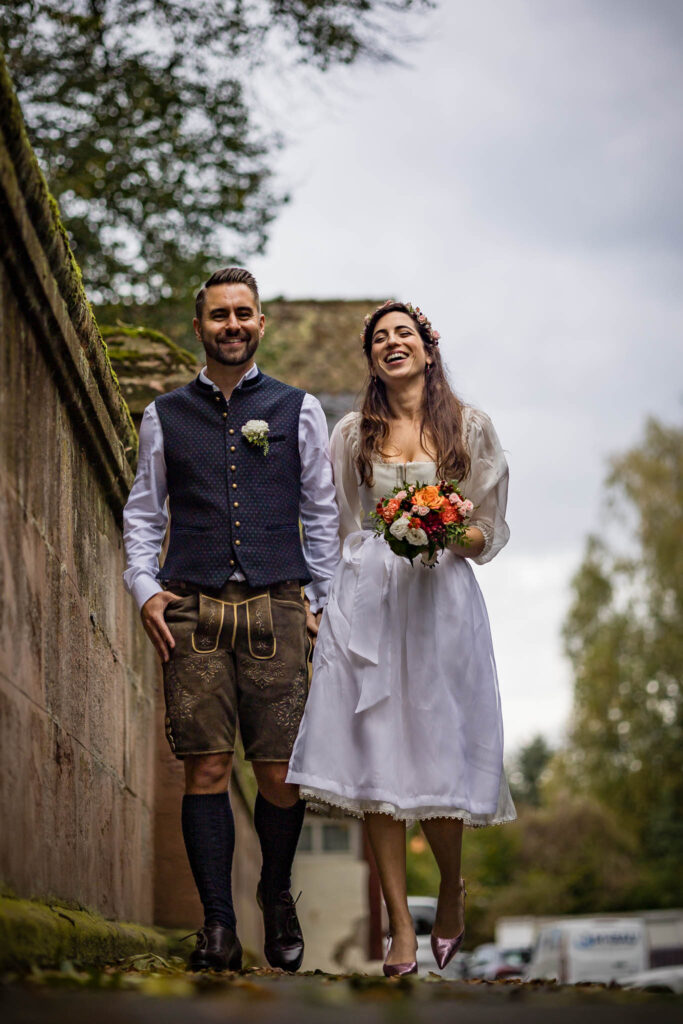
x=322 y=799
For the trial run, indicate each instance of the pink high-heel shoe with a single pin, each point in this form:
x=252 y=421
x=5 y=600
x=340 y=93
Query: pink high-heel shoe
x=445 y=949
x=398 y=970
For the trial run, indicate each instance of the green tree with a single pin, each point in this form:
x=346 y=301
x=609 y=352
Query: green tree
x=139 y=111
x=527 y=769
x=624 y=636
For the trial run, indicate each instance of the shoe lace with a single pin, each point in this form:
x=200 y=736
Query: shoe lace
x=292 y=924
x=200 y=933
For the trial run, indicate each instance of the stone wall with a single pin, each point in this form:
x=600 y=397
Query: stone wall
x=77 y=677
x=90 y=794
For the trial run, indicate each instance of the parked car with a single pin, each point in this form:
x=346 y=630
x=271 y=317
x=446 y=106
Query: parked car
x=590 y=949
x=492 y=963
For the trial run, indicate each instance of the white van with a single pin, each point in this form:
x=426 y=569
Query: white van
x=590 y=949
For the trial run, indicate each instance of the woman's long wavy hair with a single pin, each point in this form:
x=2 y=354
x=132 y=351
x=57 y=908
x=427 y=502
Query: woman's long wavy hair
x=441 y=424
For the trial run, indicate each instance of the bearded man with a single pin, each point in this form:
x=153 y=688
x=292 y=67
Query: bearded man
x=243 y=459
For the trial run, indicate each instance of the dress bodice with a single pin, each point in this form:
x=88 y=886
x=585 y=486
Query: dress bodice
x=486 y=484
x=388 y=475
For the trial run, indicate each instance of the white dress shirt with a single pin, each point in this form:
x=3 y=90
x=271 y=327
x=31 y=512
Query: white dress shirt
x=145 y=516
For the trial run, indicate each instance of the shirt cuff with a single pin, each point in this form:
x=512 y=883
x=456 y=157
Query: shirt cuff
x=144 y=588
x=317 y=595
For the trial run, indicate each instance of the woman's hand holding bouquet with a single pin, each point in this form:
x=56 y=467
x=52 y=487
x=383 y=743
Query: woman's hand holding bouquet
x=422 y=519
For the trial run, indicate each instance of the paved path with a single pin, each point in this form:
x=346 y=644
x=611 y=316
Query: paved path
x=151 y=994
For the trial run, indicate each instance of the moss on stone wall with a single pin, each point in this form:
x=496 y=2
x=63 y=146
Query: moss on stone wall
x=47 y=934
x=46 y=221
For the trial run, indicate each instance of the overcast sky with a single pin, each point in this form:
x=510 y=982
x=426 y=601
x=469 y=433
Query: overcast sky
x=522 y=181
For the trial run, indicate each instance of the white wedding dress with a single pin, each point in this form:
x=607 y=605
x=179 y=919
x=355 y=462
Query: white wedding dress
x=403 y=716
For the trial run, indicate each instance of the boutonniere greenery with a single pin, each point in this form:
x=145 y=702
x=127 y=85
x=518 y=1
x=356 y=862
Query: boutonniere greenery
x=256 y=432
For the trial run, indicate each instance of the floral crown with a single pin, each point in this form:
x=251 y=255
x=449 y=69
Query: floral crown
x=416 y=314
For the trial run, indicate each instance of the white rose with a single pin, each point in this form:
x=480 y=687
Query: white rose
x=416 y=536
x=255 y=427
x=399 y=528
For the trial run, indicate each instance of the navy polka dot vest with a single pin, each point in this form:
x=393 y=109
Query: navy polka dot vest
x=231 y=505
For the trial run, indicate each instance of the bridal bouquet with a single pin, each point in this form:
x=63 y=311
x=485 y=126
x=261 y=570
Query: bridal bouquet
x=421 y=519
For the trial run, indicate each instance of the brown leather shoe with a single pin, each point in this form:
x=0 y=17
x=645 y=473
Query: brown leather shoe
x=217 y=949
x=284 y=945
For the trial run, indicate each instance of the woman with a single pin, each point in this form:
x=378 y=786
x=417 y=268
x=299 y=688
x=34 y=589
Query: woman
x=403 y=720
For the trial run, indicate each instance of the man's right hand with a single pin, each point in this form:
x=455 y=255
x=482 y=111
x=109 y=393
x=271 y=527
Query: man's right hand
x=152 y=615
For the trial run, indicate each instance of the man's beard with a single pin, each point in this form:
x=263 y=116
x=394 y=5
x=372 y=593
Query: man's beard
x=226 y=354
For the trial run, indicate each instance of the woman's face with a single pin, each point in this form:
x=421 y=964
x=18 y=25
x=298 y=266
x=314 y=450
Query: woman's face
x=398 y=353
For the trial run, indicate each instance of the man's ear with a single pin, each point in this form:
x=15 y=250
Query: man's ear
x=262 y=325
x=197 y=329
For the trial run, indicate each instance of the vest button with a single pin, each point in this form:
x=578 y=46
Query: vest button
x=232 y=447
x=218 y=398
x=235 y=504
x=233 y=468
x=232 y=561
x=231 y=431
x=237 y=523
x=225 y=415
x=234 y=487
x=237 y=543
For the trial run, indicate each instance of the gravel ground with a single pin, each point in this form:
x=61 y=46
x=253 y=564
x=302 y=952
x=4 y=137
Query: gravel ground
x=148 y=989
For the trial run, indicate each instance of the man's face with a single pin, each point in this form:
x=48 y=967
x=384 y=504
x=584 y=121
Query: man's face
x=231 y=326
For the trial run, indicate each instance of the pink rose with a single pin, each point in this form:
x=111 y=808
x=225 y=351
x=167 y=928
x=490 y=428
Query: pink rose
x=455 y=499
x=401 y=495
x=467 y=506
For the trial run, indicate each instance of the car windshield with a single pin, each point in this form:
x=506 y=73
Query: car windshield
x=515 y=957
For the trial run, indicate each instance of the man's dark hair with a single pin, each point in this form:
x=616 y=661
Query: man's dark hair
x=228 y=275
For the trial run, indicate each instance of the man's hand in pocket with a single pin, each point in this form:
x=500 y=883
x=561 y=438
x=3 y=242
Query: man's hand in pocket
x=152 y=615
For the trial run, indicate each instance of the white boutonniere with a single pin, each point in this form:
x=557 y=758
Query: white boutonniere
x=256 y=432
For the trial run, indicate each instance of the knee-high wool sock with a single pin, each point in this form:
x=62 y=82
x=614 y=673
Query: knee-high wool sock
x=278 y=829
x=209 y=834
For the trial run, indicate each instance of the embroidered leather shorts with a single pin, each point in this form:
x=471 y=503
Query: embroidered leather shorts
x=241 y=655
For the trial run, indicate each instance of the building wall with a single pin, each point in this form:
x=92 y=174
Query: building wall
x=77 y=676
x=333 y=908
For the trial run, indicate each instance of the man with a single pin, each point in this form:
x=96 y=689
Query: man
x=225 y=613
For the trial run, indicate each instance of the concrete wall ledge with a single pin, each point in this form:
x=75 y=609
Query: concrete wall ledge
x=43 y=934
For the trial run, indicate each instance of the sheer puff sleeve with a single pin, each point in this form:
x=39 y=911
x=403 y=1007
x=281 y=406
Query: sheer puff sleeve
x=487 y=484
x=343 y=450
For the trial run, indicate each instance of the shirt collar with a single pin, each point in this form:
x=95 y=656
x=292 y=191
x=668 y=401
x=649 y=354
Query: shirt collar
x=249 y=375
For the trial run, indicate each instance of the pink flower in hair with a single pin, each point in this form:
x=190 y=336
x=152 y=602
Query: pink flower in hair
x=435 y=335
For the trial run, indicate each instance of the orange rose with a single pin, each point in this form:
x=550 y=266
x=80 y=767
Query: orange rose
x=449 y=513
x=390 y=510
x=429 y=496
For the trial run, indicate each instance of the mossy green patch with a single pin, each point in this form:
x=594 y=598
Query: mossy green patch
x=33 y=933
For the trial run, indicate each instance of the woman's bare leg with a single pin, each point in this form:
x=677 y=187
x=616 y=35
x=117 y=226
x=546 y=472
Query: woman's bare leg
x=444 y=835
x=388 y=841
